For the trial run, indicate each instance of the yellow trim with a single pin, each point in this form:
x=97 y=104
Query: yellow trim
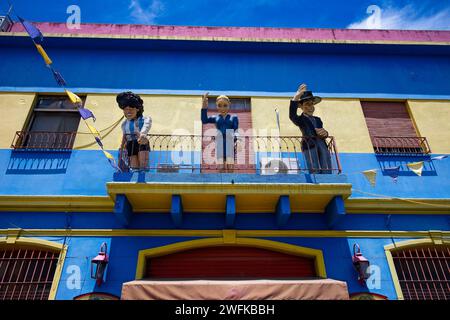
x=56 y=203
x=399 y=206
x=221 y=188
x=44 y=244
x=388 y=249
x=250 y=197
x=220 y=233
x=190 y=38
x=394 y=276
x=17 y=203
x=214 y=242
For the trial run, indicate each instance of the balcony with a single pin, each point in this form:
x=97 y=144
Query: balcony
x=410 y=146
x=261 y=155
x=270 y=175
x=43 y=140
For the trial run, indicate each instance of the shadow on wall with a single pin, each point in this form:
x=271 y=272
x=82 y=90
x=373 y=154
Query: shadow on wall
x=38 y=162
x=389 y=161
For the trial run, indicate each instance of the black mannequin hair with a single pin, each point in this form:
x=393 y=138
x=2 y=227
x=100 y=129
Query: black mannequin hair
x=130 y=99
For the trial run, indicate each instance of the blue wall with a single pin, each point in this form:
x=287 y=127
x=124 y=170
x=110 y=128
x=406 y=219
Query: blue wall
x=123 y=253
x=228 y=66
x=112 y=65
x=64 y=173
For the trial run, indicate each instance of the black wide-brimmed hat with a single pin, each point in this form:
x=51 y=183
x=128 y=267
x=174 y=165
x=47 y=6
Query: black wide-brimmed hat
x=308 y=95
x=129 y=99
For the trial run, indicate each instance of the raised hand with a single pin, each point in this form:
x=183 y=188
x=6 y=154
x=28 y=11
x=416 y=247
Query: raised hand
x=205 y=101
x=301 y=89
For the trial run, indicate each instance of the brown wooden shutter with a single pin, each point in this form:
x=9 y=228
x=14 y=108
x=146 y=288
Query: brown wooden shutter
x=390 y=127
x=230 y=262
x=388 y=119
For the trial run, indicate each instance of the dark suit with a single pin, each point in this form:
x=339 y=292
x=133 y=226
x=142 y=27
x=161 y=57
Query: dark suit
x=316 y=152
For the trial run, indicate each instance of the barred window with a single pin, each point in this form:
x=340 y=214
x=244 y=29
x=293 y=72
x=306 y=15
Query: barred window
x=424 y=272
x=26 y=273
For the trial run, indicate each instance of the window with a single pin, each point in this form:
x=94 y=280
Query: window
x=391 y=129
x=53 y=125
x=244 y=159
x=423 y=272
x=26 y=273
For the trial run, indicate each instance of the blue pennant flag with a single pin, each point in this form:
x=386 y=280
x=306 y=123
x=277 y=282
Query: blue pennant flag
x=393 y=172
x=86 y=113
x=99 y=142
x=32 y=31
x=58 y=77
x=114 y=165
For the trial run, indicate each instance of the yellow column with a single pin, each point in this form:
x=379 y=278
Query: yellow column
x=432 y=121
x=14 y=111
x=342 y=118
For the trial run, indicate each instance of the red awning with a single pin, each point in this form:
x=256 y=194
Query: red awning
x=326 y=289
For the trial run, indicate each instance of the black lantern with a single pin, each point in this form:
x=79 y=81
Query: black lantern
x=99 y=263
x=361 y=264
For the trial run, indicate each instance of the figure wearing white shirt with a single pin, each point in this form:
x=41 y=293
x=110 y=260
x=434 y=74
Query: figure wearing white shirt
x=135 y=129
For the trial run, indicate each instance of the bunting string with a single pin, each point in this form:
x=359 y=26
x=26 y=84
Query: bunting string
x=38 y=39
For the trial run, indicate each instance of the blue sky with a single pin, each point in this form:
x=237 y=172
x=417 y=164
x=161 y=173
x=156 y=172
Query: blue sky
x=373 y=14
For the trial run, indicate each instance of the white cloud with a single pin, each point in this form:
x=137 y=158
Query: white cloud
x=145 y=14
x=406 y=18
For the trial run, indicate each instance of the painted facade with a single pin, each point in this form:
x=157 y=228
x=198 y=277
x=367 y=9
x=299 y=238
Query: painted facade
x=73 y=201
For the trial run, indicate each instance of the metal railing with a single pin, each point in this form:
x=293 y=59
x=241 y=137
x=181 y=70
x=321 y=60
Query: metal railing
x=43 y=140
x=252 y=154
x=401 y=145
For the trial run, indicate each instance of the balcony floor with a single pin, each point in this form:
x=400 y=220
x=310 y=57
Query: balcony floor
x=148 y=192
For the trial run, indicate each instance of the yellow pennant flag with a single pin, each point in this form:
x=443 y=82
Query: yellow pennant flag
x=108 y=155
x=93 y=130
x=44 y=55
x=416 y=167
x=73 y=97
x=371 y=176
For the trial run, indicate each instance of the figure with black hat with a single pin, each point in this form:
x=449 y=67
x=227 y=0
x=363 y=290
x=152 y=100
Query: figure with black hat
x=135 y=129
x=314 y=147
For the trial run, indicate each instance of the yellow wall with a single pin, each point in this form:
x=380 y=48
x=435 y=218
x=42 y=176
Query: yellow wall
x=342 y=118
x=432 y=120
x=168 y=113
x=14 y=110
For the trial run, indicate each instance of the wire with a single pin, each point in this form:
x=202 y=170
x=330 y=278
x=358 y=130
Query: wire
x=94 y=143
x=107 y=128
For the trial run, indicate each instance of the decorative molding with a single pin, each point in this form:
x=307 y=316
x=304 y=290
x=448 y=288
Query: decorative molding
x=239 y=233
x=397 y=206
x=20 y=203
x=228 y=39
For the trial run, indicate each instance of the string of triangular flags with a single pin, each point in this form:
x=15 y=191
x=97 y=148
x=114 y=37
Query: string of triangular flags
x=393 y=172
x=38 y=39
